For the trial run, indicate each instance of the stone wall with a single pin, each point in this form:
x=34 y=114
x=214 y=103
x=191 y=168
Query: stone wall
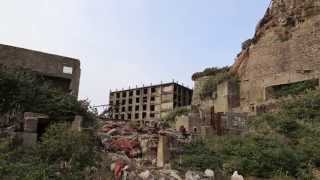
x=285 y=49
x=63 y=71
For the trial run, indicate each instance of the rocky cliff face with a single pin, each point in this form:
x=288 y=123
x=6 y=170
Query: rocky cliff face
x=284 y=49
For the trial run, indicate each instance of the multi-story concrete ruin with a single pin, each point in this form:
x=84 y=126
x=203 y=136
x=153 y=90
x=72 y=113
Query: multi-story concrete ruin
x=62 y=72
x=148 y=103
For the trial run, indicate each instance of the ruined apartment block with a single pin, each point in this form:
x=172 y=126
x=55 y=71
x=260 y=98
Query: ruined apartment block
x=148 y=103
x=61 y=72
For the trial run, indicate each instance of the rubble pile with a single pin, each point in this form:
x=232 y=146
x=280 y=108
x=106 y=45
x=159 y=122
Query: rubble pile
x=134 y=151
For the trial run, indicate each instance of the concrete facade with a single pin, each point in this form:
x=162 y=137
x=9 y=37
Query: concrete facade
x=148 y=103
x=224 y=99
x=62 y=72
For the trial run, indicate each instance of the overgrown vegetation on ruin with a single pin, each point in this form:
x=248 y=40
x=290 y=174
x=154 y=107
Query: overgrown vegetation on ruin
x=294 y=88
x=278 y=144
x=171 y=116
x=215 y=77
x=23 y=91
x=210 y=72
x=61 y=153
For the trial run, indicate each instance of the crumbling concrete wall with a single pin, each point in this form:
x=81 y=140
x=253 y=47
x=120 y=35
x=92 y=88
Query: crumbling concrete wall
x=285 y=49
x=62 y=71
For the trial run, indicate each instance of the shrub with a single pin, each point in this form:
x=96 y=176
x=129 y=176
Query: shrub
x=197 y=156
x=62 y=154
x=282 y=144
x=23 y=91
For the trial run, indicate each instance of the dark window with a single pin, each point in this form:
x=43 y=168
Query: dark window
x=117 y=102
x=152 y=115
x=123 y=109
x=153 y=98
x=138 y=92
x=122 y=116
x=116 y=110
x=130 y=101
x=152 y=108
x=144 y=107
x=137 y=100
x=145 y=99
x=130 y=108
x=118 y=95
x=145 y=91
x=124 y=94
x=131 y=93
x=124 y=102
x=111 y=103
x=252 y=108
x=137 y=108
x=116 y=116
x=129 y=116
x=136 y=116
x=153 y=90
x=144 y=115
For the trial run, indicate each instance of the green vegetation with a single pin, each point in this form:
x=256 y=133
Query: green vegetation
x=61 y=154
x=210 y=72
x=23 y=91
x=171 y=116
x=216 y=77
x=279 y=144
x=294 y=88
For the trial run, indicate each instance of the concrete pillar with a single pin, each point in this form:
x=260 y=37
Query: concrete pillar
x=206 y=131
x=29 y=139
x=163 y=154
x=77 y=123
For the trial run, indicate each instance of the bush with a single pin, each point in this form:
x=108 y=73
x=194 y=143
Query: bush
x=197 y=156
x=282 y=144
x=23 y=91
x=62 y=154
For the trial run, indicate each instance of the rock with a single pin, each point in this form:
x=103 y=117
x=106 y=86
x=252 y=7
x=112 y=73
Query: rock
x=190 y=175
x=175 y=175
x=209 y=173
x=112 y=166
x=172 y=173
x=145 y=175
x=236 y=176
x=112 y=132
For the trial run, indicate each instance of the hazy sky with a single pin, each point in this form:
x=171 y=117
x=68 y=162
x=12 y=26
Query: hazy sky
x=132 y=42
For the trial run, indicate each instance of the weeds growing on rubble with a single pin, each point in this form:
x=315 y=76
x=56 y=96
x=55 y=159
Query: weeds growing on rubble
x=285 y=143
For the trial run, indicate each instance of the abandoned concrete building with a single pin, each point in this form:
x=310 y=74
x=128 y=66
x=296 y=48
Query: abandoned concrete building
x=62 y=72
x=283 y=53
x=148 y=103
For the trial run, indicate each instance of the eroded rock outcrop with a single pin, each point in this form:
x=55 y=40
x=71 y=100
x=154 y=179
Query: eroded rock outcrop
x=285 y=49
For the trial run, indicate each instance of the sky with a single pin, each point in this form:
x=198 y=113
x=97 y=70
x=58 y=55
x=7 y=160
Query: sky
x=123 y=43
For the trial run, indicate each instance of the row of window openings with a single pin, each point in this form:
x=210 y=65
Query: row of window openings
x=145 y=100
x=138 y=92
x=136 y=116
x=137 y=108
